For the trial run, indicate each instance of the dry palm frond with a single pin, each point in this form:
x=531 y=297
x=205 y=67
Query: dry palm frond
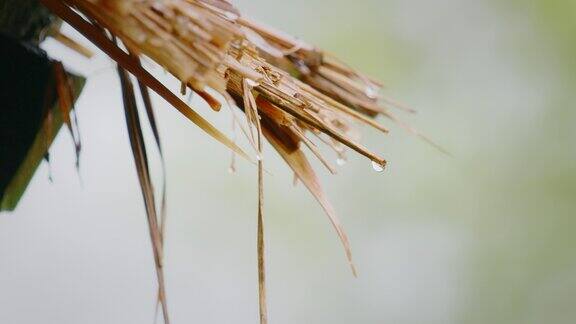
x=286 y=88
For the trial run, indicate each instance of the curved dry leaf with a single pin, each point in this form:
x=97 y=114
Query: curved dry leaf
x=296 y=159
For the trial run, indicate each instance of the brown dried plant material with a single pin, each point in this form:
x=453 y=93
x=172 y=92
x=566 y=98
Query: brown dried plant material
x=71 y=44
x=142 y=167
x=287 y=89
x=66 y=104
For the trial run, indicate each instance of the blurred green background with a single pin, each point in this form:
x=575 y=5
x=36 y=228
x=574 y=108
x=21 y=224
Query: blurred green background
x=484 y=236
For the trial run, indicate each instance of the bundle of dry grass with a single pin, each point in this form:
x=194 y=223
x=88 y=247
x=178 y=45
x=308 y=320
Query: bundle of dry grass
x=287 y=89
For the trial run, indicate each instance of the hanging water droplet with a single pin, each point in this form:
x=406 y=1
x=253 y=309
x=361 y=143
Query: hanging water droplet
x=231 y=16
x=371 y=92
x=258 y=157
x=377 y=166
x=231 y=170
x=340 y=161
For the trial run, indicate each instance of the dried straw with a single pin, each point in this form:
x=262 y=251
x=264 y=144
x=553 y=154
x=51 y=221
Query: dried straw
x=286 y=88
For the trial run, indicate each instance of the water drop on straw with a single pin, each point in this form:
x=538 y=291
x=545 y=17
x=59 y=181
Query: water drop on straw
x=371 y=92
x=377 y=166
